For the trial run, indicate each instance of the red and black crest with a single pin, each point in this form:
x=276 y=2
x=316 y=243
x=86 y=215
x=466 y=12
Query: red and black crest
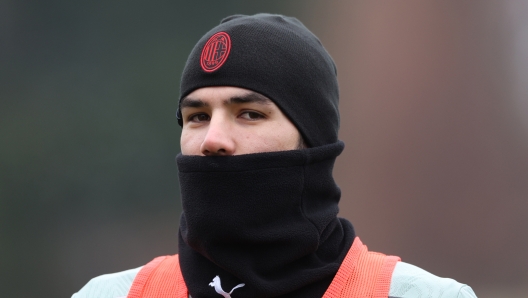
x=215 y=51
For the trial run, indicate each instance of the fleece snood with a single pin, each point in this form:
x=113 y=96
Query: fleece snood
x=276 y=56
x=265 y=220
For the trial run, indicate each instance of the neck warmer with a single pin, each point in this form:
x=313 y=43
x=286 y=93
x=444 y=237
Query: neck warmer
x=261 y=225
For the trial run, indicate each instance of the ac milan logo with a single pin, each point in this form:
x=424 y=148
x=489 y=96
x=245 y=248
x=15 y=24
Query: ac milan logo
x=215 y=52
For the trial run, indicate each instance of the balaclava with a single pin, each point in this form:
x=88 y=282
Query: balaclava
x=265 y=224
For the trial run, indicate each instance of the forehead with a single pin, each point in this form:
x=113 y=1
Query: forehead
x=219 y=92
x=223 y=94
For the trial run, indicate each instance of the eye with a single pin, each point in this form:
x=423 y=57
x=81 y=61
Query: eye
x=250 y=115
x=199 y=118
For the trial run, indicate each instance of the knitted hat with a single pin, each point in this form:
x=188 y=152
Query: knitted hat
x=278 y=57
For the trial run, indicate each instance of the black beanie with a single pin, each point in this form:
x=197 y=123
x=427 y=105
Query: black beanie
x=278 y=57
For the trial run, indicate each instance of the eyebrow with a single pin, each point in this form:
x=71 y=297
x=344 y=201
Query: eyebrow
x=250 y=97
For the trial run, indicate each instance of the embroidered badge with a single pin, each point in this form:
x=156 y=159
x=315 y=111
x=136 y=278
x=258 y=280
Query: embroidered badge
x=217 y=285
x=215 y=51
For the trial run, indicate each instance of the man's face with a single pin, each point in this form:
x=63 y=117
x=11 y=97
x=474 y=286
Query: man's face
x=233 y=121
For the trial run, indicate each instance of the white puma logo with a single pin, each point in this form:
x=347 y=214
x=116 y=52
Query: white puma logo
x=217 y=285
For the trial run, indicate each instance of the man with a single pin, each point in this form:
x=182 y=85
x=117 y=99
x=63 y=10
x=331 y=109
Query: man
x=259 y=111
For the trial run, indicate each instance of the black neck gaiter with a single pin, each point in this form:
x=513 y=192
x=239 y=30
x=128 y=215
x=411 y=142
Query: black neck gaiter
x=265 y=220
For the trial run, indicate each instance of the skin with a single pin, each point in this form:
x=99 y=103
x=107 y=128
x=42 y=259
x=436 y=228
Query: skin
x=232 y=121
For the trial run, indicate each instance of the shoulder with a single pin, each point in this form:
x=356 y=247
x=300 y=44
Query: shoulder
x=409 y=281
x=112 y=285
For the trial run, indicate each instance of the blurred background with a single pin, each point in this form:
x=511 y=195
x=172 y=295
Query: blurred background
x=434 y=109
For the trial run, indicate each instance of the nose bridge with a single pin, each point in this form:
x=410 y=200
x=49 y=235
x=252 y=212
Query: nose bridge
x=218 y=139
x=218 y=126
